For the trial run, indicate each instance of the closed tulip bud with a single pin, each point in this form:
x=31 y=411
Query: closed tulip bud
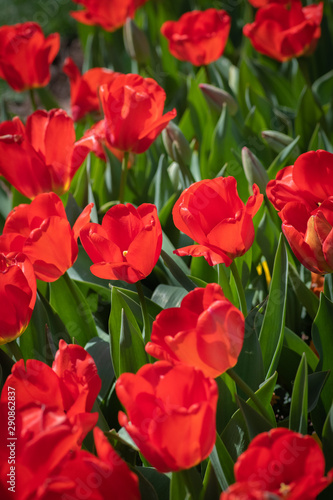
x=278 y=141
x=254 y=170
x=136 y=43
x=217 y=98
x=176 y=144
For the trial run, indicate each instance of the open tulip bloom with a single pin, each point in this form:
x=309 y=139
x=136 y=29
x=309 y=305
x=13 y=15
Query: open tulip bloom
x=126 y=245
x=36 y=230
x=41 y=156
x=211 y=212
x=303 y=194
x=206 y=332
x=26 y=55
x=283 y=31
x=133 y=108
x=198 y=36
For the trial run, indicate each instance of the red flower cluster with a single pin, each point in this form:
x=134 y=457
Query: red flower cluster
x=205 y=332
x=285 y=31
x=41 y=156
x=198 y=36
x=303 y=194
x=279 y=464
x=127 y=244
x=211 y=212
x=110 y=15
x=52 y=418
x=26 y=55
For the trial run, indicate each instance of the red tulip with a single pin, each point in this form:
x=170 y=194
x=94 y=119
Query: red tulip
x=84 y=88
x=26 y=55
x=133 y=108
x=285 y=31
x=282 y=463
x=109 y=15
x=198 y=36
x=211 y=212
x=41 y=156
x=127 y=245
x=303 y=194
x=42 y=232
x=171 y=414
x=17 y=292
x=206 y=332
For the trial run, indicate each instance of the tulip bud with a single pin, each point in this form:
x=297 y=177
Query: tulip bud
x=176 y=144
x=278 y=141
x=217 y=97
x=136 y=43
x=254 y=170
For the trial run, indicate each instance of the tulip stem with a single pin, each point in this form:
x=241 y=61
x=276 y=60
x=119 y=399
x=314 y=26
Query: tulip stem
x=248 y=391
x=14 y=350
x=33 y=100
x=240 y=289
x=223 y=281
x=145 y=315
x=124 y=168
x=192 y=481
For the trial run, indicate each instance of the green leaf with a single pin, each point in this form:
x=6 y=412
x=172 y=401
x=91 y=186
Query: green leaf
x=162 y=184
x=251 y=355
x=222 y=464
x=34 y=342
x=308 y=115
x=298 y=417
x=153 y=485
x=177 y=487
x=99 y=350
x=306 y=297
x=222 y=142
x=118 y=303
x=323 y=341
x=323 y=88
x=132 y=354
x=236 y=434
x=73 y=309
x=296 y=344
x=271 y=333
x=316 y=382
x=168 y=296
x=255 y=422
x=160 y=482
x=282 y=158
x=327 y=439
x=177 y=272
x=226 y=403
x=133 y=301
